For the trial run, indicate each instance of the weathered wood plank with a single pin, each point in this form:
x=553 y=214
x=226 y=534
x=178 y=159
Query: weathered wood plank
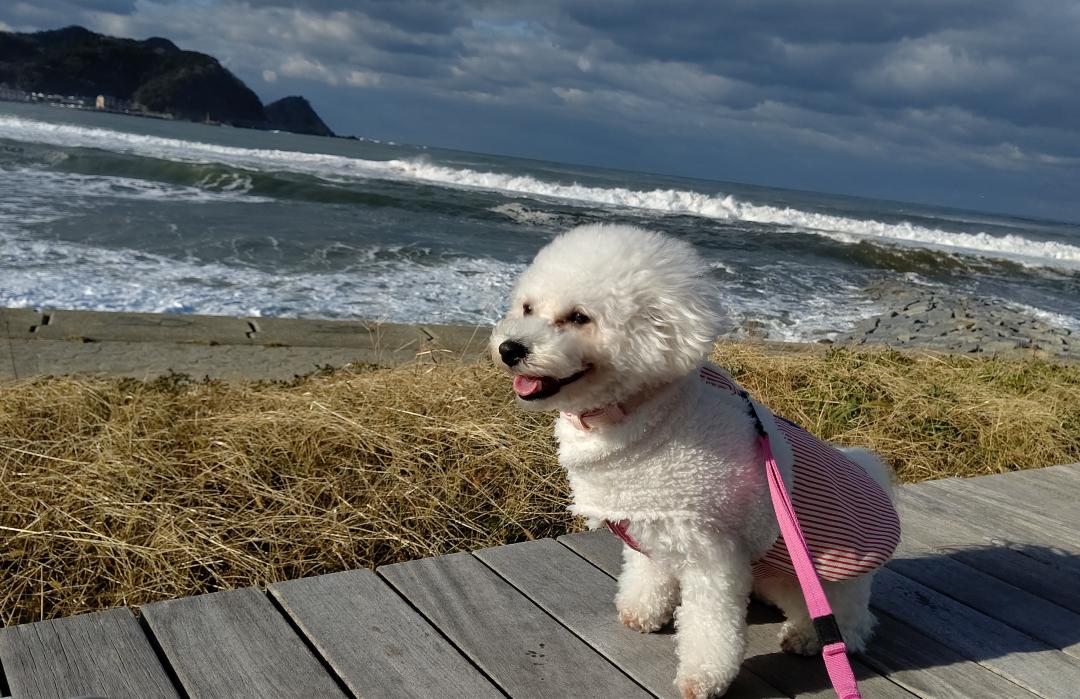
x=1031 y=568
x=793 y=675
x=1036 y=537
x=800 y=676
x=994 y=645
x=1018 y=568
x=1035 y=493
x=931 y=669
x=1066 y=475
x=1015 y=520
x=905 y=653
x=236 y=644
x=104 y=654
x=581 y=598
x=1056 y=626
x=375 y=642
x=525 y=651
x=598 y=547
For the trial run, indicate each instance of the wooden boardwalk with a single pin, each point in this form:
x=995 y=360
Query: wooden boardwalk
x=982 y=600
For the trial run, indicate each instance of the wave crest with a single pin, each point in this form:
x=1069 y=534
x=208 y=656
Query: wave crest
x=330 y=167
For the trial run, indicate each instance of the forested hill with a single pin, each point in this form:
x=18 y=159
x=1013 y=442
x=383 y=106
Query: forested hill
x=153 y=75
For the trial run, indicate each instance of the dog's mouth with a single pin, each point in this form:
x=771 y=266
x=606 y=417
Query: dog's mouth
x=538 y=387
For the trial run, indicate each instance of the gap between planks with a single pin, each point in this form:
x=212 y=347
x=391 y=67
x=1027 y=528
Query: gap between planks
x=515 y=641
x=793 y=675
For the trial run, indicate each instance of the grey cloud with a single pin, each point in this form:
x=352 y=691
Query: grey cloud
x=982 y=83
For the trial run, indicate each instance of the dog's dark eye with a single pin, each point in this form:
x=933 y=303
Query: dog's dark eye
x=526 y=309
x=579 y=318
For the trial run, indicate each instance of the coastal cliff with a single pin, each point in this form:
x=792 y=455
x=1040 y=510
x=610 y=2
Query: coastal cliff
x=295 y=114
x=153 y=76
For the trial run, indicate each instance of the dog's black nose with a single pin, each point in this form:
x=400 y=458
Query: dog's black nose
x=512 y=352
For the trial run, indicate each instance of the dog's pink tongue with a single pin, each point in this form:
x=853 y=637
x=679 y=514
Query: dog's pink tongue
x=526 y=385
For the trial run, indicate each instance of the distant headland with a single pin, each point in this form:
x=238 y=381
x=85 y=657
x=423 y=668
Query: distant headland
x=76 y=67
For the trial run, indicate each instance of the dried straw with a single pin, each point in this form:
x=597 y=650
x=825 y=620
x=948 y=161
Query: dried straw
x=118 y=492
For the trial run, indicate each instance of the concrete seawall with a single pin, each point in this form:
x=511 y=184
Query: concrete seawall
x=145 y=345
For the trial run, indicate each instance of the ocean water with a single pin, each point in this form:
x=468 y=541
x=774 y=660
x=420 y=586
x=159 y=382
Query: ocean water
x=108 y=212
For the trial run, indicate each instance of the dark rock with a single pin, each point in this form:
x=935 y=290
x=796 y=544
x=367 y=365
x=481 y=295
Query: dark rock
x=938 y=315
x=153 y=73
x=296 y=115
x=943 y=321
x=151 y=76
x=199 y=89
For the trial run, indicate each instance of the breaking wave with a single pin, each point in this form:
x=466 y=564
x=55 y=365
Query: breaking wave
x=727 y=207
x=338 y=168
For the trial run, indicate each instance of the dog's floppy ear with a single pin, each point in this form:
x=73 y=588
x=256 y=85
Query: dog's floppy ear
x=684 y=331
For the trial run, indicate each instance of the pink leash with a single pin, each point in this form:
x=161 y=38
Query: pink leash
x=833 y=650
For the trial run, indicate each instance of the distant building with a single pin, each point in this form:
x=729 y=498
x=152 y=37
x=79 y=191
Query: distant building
x=112 y=104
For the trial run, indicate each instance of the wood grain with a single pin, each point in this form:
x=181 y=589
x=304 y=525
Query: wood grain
x=793 y=675
x=515 y=643
x=1054 y=625
x=1016 y=656
x=580 y=597
x=1036 y=569
x=375 y=642
x=930 y=669
x=103 y=654
x=236 y=644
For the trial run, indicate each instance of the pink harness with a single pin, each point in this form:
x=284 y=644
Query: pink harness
x=836 y=557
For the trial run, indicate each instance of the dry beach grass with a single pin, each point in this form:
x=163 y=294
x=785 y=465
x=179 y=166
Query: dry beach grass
x=118 y=492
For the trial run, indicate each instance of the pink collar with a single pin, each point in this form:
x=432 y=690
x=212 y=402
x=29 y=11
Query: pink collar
x=598 y=417
x=610 y=414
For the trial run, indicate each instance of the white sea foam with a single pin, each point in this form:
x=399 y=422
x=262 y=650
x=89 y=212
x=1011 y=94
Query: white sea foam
x=30 y=188
x=379 y=284
x=1058 y=320
x=663 y=201
x=723 y=267
x=36 y=273
x=522 y=214
x=179 y=150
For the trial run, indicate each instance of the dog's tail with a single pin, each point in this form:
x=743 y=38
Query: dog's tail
x=874 y=467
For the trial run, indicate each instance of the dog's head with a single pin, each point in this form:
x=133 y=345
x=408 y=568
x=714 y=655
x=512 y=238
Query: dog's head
x=603 y=313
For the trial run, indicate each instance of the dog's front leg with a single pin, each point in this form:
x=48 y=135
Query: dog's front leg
x=647 y=593
x=710 y=623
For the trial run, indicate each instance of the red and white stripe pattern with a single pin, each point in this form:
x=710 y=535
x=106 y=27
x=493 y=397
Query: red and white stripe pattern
x=849 y=523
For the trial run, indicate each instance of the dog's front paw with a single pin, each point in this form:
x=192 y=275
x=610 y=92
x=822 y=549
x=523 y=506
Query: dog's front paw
x=647 y=597
x=644 y=620
x=691 y=689
x=799 y=639
x=702 y=685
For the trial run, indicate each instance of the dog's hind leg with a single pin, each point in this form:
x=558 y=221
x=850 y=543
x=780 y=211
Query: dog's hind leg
x=850 y=602
x=647 y=594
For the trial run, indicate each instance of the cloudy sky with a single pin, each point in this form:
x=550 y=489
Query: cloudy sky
x=969 y=103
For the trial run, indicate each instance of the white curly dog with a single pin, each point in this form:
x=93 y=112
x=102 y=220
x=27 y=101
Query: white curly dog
x=611 y=326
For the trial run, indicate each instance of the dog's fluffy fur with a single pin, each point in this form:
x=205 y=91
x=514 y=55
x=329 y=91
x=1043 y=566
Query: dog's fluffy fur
x=616 y=315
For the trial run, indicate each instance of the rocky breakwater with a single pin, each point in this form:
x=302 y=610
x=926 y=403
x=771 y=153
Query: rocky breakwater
x=937 y=319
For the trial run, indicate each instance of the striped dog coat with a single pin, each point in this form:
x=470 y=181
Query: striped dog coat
x=848 y=520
